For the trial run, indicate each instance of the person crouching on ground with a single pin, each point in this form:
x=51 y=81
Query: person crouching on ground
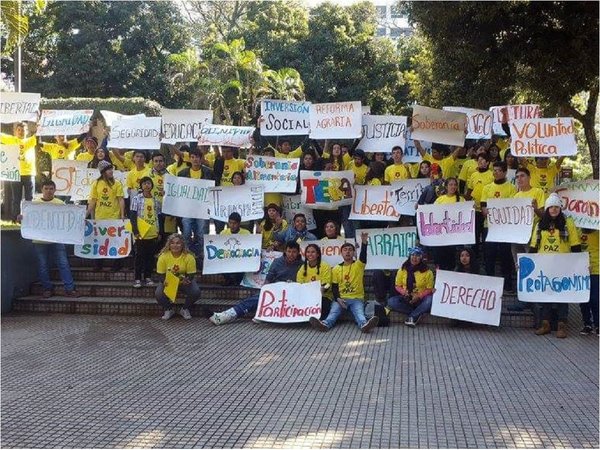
x=314 y=269
x=348 y=289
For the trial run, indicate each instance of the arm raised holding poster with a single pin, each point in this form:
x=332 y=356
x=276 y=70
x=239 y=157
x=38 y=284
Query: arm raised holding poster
x=436 y=125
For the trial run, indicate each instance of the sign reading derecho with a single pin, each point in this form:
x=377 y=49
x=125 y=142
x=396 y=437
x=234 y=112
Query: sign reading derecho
x=105 y=239
x=231 y=253
x=183 y=125
x=341 y=120
x=62 y=122
x=284 y=118
x=479 y=121
x=465 y=296
x=292 y=205
x=274 y=174
x=52 y=222
x=9 y=163
x=451 y=224
x=435 y=125
x=381 y=133
x=289 y=302
x=19 y=106
x=245 y=200
x=580 y=201
x=373 y=203
x=387 y=248
x=554 y=278
x=510 y=220
x=226 y=135
x=543 y=137
x=187 y=197
x=326 y=189
x=331 y=249
x=406 y=193
x=257 y=279
x=141 y=133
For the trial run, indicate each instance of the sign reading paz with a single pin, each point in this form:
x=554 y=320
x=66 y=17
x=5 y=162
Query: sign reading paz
x=387 y=248
x=326 y=189
x=464 y=296
x=187 y=197
x=9 y=163
x=284 y=118
x=231 y=253
x=257 y=279
x=52 y=222
x=245 y=200
x=141 y=133
x=273 y=174
x=289 y=302
x=226 y=135
x=373 y=203
x=292 y=205
x=381 y=133
x=435 y=125
x=19 y=106
x=62 y=122
x=341 y=120
x=510 y=220
x=183 y=125
x=451 y=224
x=543 y=137
x=580 y=201
x=105 y=239
x=479 y=122
x=554 y=277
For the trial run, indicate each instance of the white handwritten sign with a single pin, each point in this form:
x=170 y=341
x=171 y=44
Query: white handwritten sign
x=55 y=122
x=187 y=197
x=464 y=296
x=183 y=125
x=105 y=239
x=141 y=133
x=449 y=224
x=284 y=118
x=19 y=106
x=9 y=163
x=514 y=112
x=52 y=222
x=331 y=251
x=292 y=205
x=580 y=201
x=479 y=121
x=326 y=189
x=373 y=203
x=436 y=125
x=554 y=277
x=411 y=154
x=406 y=193
x=387 y=248
x=381 y=133
x=110 y=117
x=543 y=137
x=273 y=174
x=226 y=135
x=341 y=120
x=510 y=220
x=246 y=200
x=289 y=302
x=231 y=253
x=257 y=279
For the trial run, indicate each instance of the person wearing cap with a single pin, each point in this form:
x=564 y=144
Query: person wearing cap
x=90 y=144
x=271 y=224
x=414 y=284
x=555 y=233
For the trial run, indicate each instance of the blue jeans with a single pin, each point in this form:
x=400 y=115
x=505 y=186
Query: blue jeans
x=401 y=304
x=199 y=227
x=247 y=305
x=349 y=226
x=356 y=307
x=46 y=253
x=589 y=310
x=191 y=291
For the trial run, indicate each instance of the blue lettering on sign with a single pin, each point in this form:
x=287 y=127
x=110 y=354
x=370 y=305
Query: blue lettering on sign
x=530 y=281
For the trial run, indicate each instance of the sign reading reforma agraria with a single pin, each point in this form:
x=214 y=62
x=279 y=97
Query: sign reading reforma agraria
x=9 y=163
x=436 y=125
x=284 y=118
x=187 y=197
x=183 y=125
x=515 y=112
x=141 y=133
x=231 y=253
x=105 y=239
x=406 y=193
x=273 y=174
x=326 y=189
x=19 y=106
x=451 y=224
x=373 y=203
x=341 y=120
x=289 y=302
x=464 y=296
x=381 y=133
x=292 y=205
x=554 y=277
x=479 y=121
x=61 y=122
x=246 y=200
x=387 y=248
x=510 y=220
x=580 y=201
x=257 y=279
x=226 y=135
x=543 y=137
x=52 y=222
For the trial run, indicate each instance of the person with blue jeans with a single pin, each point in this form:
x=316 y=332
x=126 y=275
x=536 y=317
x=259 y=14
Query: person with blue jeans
x=47 y=252
x=283 y=268
x=348 y=289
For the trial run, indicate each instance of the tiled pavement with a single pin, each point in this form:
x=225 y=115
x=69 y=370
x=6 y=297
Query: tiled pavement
x=102 y=381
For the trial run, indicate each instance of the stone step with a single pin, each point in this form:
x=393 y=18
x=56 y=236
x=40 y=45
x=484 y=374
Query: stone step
x=126 y=274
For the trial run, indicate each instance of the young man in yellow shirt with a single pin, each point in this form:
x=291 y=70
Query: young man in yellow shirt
x=397 y=171
x=137 y=172
x=90 y=144
x=61 y=149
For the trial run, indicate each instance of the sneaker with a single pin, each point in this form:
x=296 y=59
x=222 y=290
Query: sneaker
x=185 y=313
x=255 y=320
x=410 y=322
x=137 y=284
x=72 y=294
x=229 y=315
x=318 y=324
x=47 y=294
x=168 y=314
x=586 y=330
x=370 y=324
x=149 y=282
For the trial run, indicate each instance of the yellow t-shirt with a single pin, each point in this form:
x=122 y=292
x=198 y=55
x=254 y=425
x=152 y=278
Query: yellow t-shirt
x=242 y=231
x=39 y=200
x=589 y=243
x=230 y=166
x=493 y=190
x=292 y=154
x=467 y=170
x=544 y=179
x=447 y=199
x=550 y=241
x=124 y=165
x=57 y=151
x=423 y=280
x=209 y=158
x=360 y=172
x=268 y=237
x=533 y=193
x=350 y=280
x=85 y=156
x=134 y=176
x=26 y=152
x=184 y=264
x=324 y=276
x=273 y=197
x=374 y=182
x=196 y=174
x=150 y=215
x=446 y=164
x=347 y=159
x=414 y=169
x=158 y=189
x=457 y=167
x=476 y=183
x=174 y=170
x=107 y=199
x=396 y=172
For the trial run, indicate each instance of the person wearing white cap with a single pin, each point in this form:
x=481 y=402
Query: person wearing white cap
x=555 y=233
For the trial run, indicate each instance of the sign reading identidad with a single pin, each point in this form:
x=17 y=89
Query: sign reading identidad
x=284 y=118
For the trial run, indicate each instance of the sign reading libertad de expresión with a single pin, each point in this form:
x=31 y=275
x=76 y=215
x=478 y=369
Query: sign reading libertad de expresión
x=387 y=248
x=373 y=203
x=273 y=174
x=381 y=133
x=187 y=197
x=450 y=224
x=340 y=120
x=284 y=118
x=580 y=201
x=52 y=222
x=231 y=253
x=543 y=137
x=436 y=125
x=141 y=133
x=183 y=125
x=289 y=302
x=62 y=122
x=19 y=106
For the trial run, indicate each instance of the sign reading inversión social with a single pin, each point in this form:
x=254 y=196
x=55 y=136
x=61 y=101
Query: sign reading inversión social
x=257 y=279
x=580 y=201
x=436 y=125
x=326 y=189
x=273 y=174
x=19 y=106
x=226 y=135
x=141 y=133
x=381 y=133
x=406 y=193
x=450 y=224
x=340 y=120
x=284 y=118
x=514 y=112
x=54 y=122
x=479 y=121
x=231 y=253
x=52 y=222
x=183 y=125
x=554 y=277
x=105 y=239
x=373 y=203
x=292 y=205
x=246 y=200
x=9 y=163
x=387 y=248
x=187 y=197
x=284 y=302
x=543 y=137
x=465 y=296
x=510 y=220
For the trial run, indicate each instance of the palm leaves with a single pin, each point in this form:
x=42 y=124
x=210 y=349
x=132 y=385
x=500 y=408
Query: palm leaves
x=15 y=22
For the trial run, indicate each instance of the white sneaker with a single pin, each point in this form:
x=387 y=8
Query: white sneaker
x=168 y=314
x=137 y=284
x=149 y=282
x=229 y=315
x=185 y=313
x=410 y=322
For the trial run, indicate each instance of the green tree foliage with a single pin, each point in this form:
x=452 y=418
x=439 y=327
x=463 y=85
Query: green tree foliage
x=14 y=23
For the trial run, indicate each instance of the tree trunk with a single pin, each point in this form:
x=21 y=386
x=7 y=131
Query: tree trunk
x=588 y=121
